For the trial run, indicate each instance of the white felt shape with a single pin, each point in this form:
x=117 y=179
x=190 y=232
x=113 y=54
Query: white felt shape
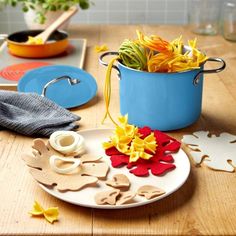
x=53 y=159
x=215 y=152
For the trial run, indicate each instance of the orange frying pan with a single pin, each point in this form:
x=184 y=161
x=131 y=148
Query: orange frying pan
x=54 y=42
x=55 y=45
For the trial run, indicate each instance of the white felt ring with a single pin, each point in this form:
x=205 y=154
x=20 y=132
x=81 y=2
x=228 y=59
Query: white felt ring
x=52 y=160
x=57 y=137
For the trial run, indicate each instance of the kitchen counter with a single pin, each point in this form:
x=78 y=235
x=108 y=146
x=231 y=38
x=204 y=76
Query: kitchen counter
x=204 y=205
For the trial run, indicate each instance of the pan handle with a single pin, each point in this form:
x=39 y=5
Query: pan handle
x=3 y=37
x=70 y=81
x=217 y=70
x=106 y=64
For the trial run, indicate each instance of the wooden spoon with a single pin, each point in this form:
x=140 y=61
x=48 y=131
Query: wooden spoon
x=56 y=24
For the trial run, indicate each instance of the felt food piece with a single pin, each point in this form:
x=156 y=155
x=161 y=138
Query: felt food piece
x=34 y=41
x=166 y=56
x=125 y=197
x=107 y=197
x=51 y=214
x=52 y=161
x=149 y=191
x=159 y=164
x=127 y=141
x=118 y=181
x=133 y=55
x=67 y=142
x=101 y=48
x=218 y=153
x=88 y=171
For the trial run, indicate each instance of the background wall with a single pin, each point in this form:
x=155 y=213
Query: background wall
x=112 y=11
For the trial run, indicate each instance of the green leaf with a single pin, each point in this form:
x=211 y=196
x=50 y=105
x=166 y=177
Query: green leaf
x=84 y=4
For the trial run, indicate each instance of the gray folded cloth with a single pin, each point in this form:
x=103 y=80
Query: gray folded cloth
x=30 y=114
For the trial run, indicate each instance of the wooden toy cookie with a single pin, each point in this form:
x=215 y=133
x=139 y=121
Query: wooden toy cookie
x=113 y=197
x=118 y=181
x=107 y=197
x=212 y=151
x=125 y=197
x=149 y=191
x=87 y=173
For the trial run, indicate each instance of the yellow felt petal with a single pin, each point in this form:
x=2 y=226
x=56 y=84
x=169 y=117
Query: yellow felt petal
x=145 y=155
x=123 y=148
x=130 y=130
x=101 y=48
x=151 y=147
x=107 y=145
x=51 y=214
x=37 y=209
x=125 y=139
x=123 y=119
x=134 y=156
x=119 y=131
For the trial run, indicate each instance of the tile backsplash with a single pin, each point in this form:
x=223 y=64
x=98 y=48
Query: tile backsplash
x=112 y=12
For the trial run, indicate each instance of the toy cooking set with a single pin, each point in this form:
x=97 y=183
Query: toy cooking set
x=160 y=82
x=135 y=163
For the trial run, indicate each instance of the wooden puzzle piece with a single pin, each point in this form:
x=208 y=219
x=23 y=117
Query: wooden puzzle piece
x=149 y=191
x=107 y=197
x=216 y=152
x=87 y=172
x=118 y=181
x=125 y=197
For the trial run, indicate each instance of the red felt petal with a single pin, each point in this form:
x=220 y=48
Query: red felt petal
x=112 y=151
x=161 y=168
x=119 y=160
x=161 y=138
x=140 y=170
x=145 y=131
x=173 y=146
x=167 y=158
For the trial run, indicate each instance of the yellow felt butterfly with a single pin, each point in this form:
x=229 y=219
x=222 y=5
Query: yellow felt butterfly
x=51 y=214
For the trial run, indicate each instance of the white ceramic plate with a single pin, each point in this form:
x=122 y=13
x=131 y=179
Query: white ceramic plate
x=170 y=182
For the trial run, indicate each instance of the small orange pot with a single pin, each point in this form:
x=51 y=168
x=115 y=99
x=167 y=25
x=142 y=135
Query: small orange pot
x=56 y=44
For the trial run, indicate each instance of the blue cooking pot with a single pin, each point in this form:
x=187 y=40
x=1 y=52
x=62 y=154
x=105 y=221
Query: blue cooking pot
x=163 y=101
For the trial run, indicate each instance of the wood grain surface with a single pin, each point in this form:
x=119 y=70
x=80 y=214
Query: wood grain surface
x=204 y=205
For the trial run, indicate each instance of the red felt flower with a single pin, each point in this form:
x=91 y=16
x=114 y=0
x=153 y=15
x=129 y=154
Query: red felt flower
x=159 y=164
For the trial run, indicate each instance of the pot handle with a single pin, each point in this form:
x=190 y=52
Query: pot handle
x=70 y=81
x=219 y=69
x=106 y=64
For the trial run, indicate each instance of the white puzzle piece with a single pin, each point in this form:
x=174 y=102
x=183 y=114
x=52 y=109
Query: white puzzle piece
x=216 y=152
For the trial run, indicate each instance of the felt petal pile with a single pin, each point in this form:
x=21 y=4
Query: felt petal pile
x=158 y=149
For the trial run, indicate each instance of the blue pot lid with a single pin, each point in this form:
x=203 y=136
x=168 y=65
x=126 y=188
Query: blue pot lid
x=61 y=92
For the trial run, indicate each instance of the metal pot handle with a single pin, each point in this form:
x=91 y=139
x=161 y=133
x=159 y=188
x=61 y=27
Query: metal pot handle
x=216 y=59
x=70 y=81
x=106 y=64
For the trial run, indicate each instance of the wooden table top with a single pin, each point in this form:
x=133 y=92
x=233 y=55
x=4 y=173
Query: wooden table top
x=204 y=205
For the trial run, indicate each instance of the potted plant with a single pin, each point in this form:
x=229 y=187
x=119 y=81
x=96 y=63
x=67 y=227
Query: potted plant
x=41 y=13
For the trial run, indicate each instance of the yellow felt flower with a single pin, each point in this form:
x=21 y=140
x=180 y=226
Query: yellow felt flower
x=138 y=147
x=51 y=214
x=127 y=140
x=101 y=48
